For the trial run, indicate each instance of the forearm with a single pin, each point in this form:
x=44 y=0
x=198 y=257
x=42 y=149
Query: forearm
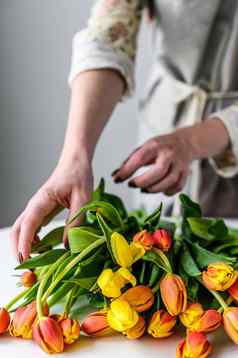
x=205 y=140
x=94 y=96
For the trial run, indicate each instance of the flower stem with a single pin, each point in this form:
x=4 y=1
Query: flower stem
x=17 y=298
x=51 y=270
x=74 y=262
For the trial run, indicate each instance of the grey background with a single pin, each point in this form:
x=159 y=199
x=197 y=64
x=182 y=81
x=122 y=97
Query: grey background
x=35 y=50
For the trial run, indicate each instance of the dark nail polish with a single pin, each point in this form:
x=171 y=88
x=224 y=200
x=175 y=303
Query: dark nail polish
x=132 y=184
x=115 y=172
x=20 y=258
x=118 y=180
x=145 y=191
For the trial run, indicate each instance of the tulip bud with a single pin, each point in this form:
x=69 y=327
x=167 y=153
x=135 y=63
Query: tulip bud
x=230 y=321
x=144 y=238
x=195 y=345
x=28 y=279
x=70 y=329
x=96 y=324
x=161 y=324
x=219 y=276
x=111 y=282
x=121 y=316
x=137 y=331
x=233 y=290
x=198 y=320
x=141 y=298
x=174 y=294
x=5 y=320
x=162 y=239
x=48 y=334
x=23 y=320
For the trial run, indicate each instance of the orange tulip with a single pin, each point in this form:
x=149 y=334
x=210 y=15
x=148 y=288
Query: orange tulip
x=23 y=321
x=195 y=345
x=137 y=331
x=141 y=298
x=28 y=279
x=198 y=320
x=174 y=294
x=5 y=320
x=70 y=329
x=219 y=276
x=48 y=334
x=144 y=238
x=162 y=239
x=233 y=290
x=96 y=324
x=230 y=321
x=161 y=324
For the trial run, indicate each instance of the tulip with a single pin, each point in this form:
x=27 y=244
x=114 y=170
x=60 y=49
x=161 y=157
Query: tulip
x=195 y=345
x=162 y=239
x=161 y=324
x=219 y=276
x=48 y=334
x=144 y=238
x=28 y=279
x=5 y=320
x=70 y=329
x=174 y=294
x=125 y=254
x=121 y=316
x=233 y=290
x=141 y=298
x=23 y=321
x=137 y=331
x=96 y=324
x=111 y=282
x=230 y=321
x=198 y=320
x=191 y=315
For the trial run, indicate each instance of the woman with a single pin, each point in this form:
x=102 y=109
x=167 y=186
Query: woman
x=189 y=121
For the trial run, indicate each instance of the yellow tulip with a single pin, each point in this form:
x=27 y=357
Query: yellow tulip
x=191 y=315
x=219 y=276
x=161 y=324
x=111 y=282
x=125 y=254
x=121 y=316
x=136 y=331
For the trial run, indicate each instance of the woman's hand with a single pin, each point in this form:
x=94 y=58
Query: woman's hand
x=170 y=157
x=70 y=186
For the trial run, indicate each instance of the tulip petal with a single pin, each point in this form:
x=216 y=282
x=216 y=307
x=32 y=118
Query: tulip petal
x=121 y=250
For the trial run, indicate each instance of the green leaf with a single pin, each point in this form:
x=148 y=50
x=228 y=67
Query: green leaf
x=53 y=238
x=218 y=228
x=188 y=263
x=81 y=237
x=155 y=258
x=97 y=194
x=193 y=288
x=139 y=215
x=44 y=259
x=152 y=221
x=189 y=207
x=205 y=257
x=86 y=282
x=116 y=202
x=200 y=227
x=154 y=275
x=107 y=232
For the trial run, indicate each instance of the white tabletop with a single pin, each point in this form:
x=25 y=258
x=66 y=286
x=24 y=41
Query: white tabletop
x=116 y=347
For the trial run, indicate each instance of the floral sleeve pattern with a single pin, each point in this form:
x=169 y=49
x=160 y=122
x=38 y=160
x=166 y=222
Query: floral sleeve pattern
x=116 y=22
x=109 y=41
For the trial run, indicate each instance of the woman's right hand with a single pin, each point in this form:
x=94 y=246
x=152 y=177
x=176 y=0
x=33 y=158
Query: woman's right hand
x=70 y=186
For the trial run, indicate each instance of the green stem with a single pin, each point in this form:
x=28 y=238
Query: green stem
x=69 y=301
x=156 y=287
x=74 y=262
x=17 y=298
x=51 y=270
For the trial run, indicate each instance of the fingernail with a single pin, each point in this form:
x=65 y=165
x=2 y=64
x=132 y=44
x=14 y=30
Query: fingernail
x=145 y=191
x=118 y=180
x=66 y=243
x=115 y=172
x=20 y=257
x=132 y=184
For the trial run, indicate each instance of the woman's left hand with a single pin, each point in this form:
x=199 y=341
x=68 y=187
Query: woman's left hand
x=169 y=157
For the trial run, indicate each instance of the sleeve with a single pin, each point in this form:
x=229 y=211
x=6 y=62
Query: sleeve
x=226 y=165
x=109 y=41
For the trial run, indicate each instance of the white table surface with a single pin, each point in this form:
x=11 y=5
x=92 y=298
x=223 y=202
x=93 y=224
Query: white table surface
x=116 y=347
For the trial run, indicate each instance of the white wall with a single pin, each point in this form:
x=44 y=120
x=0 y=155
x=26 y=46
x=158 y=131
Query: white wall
x=35 y=48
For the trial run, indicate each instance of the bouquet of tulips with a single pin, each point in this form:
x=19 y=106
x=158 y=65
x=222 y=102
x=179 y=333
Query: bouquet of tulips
x=131 y=274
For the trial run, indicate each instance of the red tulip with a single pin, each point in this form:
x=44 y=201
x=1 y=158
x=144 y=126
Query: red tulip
x=233 y=290
x=162 y=239
x=144 y=238
x=5 y=320
x=195 y=345
x=48 y=334
x=96 y=324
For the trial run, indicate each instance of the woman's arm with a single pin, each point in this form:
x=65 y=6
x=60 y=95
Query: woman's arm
x=94 y=96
